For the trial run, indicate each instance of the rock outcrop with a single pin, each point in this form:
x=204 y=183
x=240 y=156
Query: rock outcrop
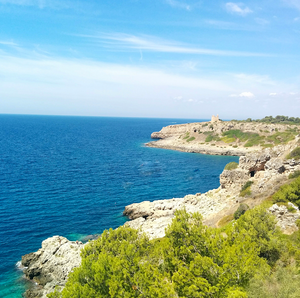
x=51 y=265
x=286 y=219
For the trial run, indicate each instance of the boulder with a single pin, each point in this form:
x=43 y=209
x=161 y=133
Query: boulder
x=51 y=264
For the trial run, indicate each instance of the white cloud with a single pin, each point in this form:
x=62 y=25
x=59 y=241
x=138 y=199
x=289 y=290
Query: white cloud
x=273 y=94
x=179 y=4
x=238 y=8
x=246 y=94
x=151 y=43
x=243 y=94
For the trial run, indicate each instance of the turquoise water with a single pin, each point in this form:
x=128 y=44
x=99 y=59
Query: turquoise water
x=73 y=176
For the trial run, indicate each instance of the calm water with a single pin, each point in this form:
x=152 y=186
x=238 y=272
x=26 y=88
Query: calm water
x=72 y=176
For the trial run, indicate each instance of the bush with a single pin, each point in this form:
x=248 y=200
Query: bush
x=289 y=193
x=240 y=211
x=190 y=139
x=295 y=154
x=231 y=166
x=296 y=174
x=246 y=189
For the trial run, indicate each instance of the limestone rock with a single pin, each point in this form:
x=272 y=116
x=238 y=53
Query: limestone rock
x=51 y=264
x=286 y=220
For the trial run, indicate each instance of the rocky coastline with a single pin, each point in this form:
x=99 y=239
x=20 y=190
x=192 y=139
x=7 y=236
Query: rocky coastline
x=192 y=137
x=267 y=170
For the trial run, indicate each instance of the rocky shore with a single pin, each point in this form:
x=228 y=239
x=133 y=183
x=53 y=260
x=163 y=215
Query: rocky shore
x=267 y=169
x=51 y=264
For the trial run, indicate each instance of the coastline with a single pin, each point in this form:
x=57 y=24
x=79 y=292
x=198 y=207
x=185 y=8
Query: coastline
x=171 y=144
x=270 y=170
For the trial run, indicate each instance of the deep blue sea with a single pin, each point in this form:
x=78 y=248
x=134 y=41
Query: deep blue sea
x=73 y=176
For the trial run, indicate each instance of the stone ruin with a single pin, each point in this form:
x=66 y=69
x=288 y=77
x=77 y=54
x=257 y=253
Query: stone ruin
x=215 y=118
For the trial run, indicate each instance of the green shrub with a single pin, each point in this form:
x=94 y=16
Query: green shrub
x=246 y=189
x=282 y=137
x=294 y=154
x=190 y=139
x=296 y=174
x=240 y=211
x=187 y=135
x=209 y=138
x=231 y=166
x=289 y=193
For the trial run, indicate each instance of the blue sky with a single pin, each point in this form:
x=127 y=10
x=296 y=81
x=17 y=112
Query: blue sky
x=150 y=58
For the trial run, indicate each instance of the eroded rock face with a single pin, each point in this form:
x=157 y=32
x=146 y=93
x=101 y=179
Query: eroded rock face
x=286 y=220
x=51 y=264
x=154 y=217
x=234 y=178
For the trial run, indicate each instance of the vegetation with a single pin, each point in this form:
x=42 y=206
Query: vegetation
x=295 y=154
x=296 y=174
x=240 y=211
x=190 y=139
x=231 y=166
x=191 y=261
x=246 y=189
x=289 y=193
x=247 y=258
x=187 y=135
x=277 y=119
x=238 y=135
x=211 y=137
x=282 y=137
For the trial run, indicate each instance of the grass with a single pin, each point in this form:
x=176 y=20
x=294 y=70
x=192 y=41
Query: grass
x=190 y=139
x=250 y=138
x=282 y=137
x=225 y=220
x=246 y=189
x=211 y=137
x=231 y=166
x=294 y=154
x=187 y=135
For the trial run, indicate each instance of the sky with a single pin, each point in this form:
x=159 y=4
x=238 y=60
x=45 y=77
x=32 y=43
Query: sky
x=150 y=58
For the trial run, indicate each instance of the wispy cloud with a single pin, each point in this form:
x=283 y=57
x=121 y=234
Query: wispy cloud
x=8 y=43
x=179 y=4
x=238 y=8
x=150 y=43
x=293 y=3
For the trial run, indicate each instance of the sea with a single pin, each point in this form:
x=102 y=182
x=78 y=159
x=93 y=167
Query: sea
x=73 y=176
